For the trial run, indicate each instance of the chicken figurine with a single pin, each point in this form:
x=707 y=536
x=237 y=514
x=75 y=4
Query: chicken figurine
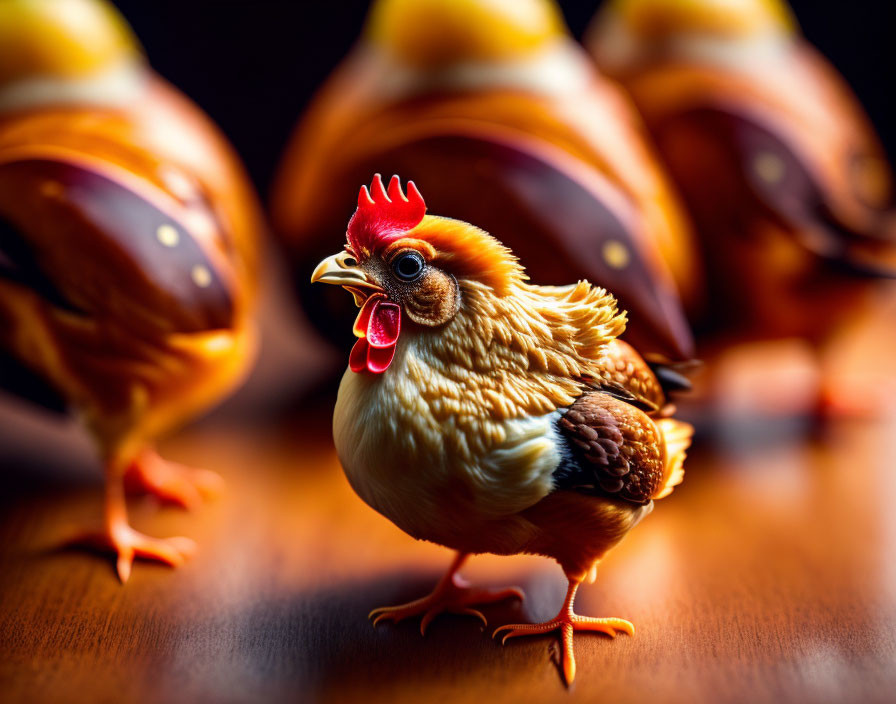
x=127 y=249
x=491 y=101
x=785 y=180
x=490 y=415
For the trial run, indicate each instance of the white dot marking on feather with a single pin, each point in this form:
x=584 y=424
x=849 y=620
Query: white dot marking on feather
x=615 y=254
x=201 y=276
x=167 y=235
x=769 y=167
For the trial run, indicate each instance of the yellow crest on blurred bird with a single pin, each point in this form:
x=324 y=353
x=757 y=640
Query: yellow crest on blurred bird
x=61 y=38
x=721 y=18
x=427 y=33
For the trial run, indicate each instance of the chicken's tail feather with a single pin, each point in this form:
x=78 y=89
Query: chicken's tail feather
x=677 y=436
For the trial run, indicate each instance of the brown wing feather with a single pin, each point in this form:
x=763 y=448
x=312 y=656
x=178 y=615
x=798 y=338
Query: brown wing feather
x=626 y=375
x=615 y=449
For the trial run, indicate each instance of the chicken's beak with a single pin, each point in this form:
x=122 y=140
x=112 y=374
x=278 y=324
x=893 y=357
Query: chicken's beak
x=342 y=269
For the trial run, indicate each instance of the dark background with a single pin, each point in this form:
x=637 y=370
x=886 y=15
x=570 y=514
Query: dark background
x=254 y=64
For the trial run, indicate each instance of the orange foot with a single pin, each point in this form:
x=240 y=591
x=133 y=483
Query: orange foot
x=451 y=595
x=128 y=543
x=172 y=482
x=567 y=622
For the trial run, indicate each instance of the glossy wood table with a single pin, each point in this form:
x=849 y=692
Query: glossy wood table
x=769 y=576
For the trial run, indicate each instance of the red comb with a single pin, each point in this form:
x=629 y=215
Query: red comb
x=382 y=217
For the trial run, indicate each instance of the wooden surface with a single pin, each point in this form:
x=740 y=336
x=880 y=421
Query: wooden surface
x=769 y=575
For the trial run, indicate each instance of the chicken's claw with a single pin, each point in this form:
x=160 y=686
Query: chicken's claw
x=566 y=623
x=128 y=544
x=170 y=481
x=453 y=596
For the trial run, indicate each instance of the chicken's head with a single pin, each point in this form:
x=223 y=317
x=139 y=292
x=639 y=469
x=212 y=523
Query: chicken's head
x=403 y=266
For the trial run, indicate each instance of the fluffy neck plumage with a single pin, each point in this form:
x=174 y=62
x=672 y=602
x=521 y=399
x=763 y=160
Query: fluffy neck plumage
x=516 y=355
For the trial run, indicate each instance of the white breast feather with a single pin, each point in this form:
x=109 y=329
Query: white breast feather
x=410 y=466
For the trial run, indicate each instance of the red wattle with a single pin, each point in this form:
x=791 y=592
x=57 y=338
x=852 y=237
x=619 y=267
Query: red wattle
x=379 y=358
x=384 y=325
x=357 y=360
x=363 y=319
x=377 y=327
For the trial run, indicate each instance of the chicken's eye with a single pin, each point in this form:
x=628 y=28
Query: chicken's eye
x=408 y=266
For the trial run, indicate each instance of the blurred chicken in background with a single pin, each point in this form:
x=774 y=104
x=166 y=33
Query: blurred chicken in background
x=787 y=184
x=497 y=114
x=127 y=249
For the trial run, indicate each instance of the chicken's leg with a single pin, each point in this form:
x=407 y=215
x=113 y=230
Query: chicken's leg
x=126 y=542
x=171 y=481
x=567 y=622
x=452 y=595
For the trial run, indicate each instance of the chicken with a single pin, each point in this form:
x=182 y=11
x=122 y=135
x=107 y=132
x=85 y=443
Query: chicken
x=127 y=249
x=785 y=180
x=492 y=101
x=486 y=414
